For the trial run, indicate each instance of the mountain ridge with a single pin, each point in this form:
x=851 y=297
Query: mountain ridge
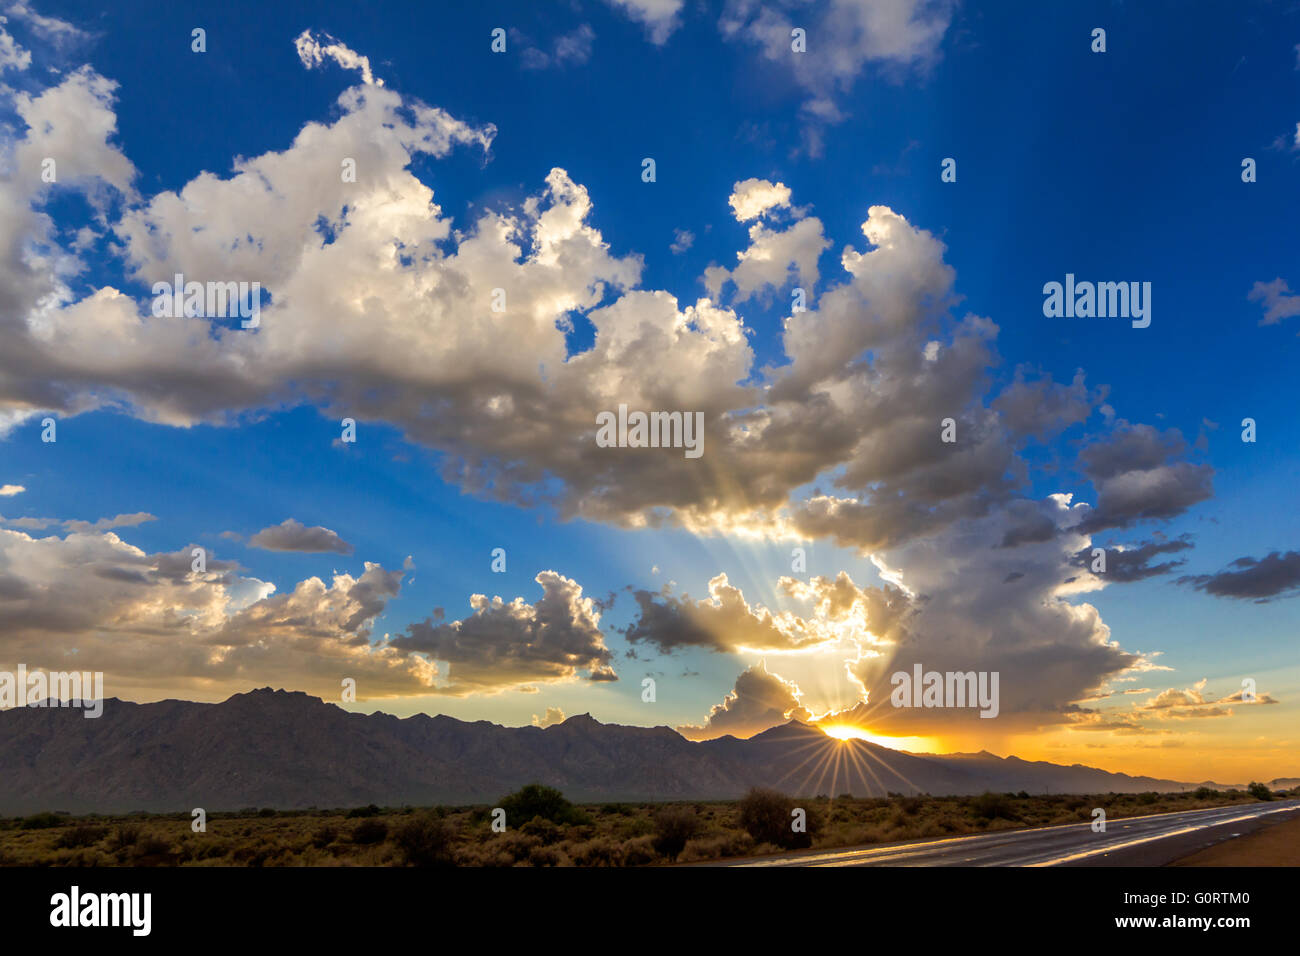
x=290 y=750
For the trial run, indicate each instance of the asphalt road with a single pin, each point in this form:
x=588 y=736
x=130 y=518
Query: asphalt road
x=1133 y=841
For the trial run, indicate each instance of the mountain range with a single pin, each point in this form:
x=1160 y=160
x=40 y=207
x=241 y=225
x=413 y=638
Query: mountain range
x=288 y=750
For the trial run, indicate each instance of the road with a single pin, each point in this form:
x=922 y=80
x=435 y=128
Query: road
x=1132 y=841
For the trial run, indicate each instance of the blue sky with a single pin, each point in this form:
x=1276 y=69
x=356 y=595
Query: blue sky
x=1115 y=166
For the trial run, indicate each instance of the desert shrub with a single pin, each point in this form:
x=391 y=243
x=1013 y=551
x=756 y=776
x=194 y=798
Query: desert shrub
x=1259 y=791
x=489 y=854
x=546 y=856
x=544 y=830
x=368 y=811
x=126 y=835
x=1205 y=793
x=911 y=805
x=535 y=800
x=267 y=812
x=637 y=826
x=991 y=806
x=639 y=851
x=369 y=832
x=1148 y=798
x=150 y=848
x=768 y=817
x=84 y=834
x=425 y=840
x=324 y=835
x=601 y=851
x=731 y=843
x=673 y=828
x=41 y=821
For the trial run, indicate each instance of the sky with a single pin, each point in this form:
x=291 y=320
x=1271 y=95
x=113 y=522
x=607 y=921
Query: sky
x=825 y=231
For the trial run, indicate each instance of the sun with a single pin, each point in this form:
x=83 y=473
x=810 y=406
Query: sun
x=854 y=732
x=846 y=732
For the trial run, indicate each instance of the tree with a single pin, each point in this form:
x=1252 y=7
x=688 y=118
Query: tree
x=768 y=816
x=535 y=800
x=1259 y=791
x=674 y=826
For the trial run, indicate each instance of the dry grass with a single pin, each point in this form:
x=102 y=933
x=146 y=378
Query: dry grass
x=636 y=834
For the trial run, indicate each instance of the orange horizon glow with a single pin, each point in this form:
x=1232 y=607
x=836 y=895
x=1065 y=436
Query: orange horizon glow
x=844 y=732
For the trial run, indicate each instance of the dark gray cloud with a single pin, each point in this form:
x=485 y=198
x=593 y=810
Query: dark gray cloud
x=758 y=701
x=291 y=535
x=1135 y=563
x=1252 y=579
x=1158 y=493
x=505 y=644
x=1042 y=408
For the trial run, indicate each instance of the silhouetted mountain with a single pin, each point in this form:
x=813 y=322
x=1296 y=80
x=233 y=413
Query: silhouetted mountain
x=288 y=750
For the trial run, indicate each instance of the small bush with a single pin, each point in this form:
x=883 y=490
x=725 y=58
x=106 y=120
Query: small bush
x=369 y=832
x=768 y=817
x=84 y=834
x=370 y=811
x=991 y=806
x=151 y=848
x=425 y=840
x=126 y=836
x=41 y=821
x=544 y=830
x=674 y=828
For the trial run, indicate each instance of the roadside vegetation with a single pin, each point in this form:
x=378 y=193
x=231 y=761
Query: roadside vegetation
x=545 y=829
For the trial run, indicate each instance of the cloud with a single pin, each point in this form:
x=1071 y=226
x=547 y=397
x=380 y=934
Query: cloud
x=569 y=49
x=379 y=313
x=314 y=50
x=1138 y=477
x=774 y=259
x=553 y=716
x=8 y=491
x=976 y=606
x=722 y=622
x=659 y=17
x=753 y=197
x=1126 y=564
x=1278 y=303
x=157 y=627
x=50 y=29
x=108 y=524
x=1191 y=702
x=502 y=645
x=1252 y=579
x=683 y=239
x=758 y=701
x=380 y=309
x=12 y=56
x=291 y=535
x=843 y=37
x=1043 y=408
